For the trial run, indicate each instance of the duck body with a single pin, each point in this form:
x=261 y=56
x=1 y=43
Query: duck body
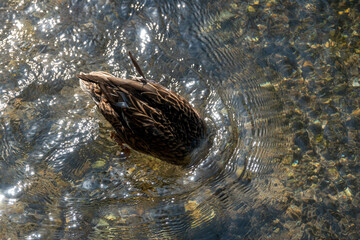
x=147 y=116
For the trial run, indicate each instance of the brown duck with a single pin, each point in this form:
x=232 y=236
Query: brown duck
x=147 y=116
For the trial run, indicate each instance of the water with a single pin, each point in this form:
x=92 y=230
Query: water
x=277 y=83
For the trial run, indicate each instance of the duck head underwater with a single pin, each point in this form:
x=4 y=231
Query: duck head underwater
x=146 y=116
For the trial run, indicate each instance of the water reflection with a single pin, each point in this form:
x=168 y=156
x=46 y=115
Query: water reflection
x=62 y=176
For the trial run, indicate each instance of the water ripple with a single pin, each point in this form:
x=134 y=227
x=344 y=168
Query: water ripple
x=58 y=161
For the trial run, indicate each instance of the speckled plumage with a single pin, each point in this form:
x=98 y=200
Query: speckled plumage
x=147 y=116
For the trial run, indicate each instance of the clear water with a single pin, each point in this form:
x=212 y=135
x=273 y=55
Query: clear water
x=257 y=72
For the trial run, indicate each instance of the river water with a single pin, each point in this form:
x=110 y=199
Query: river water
x=277 y=83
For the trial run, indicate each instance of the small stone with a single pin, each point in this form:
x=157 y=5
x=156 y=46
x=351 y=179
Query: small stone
x=348 y=192
x=191 y=205
x=307 y=64
x=290 y=173
x=293 y=212
x=340 y=89
x=315 y=128
x=110 y=217
x=354 y=120
x=314 y=179
x=251 y=9
x=130 y=170
x=297 y=125
x=343 y=160
x=308 y=195
x=356 y=82
x=356 y=113
x=287 y=159
x=239 y=171
x=276 y=221
x=333 y=174
x=98 y=164
x=301 y=139
x=102 y=223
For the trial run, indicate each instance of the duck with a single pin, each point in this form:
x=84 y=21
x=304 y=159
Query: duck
x=147 y=116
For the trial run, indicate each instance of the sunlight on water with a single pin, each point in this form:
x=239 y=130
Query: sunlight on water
x=144 y=40
x=64 y=177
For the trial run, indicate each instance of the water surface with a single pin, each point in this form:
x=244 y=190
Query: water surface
x=266 y=76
